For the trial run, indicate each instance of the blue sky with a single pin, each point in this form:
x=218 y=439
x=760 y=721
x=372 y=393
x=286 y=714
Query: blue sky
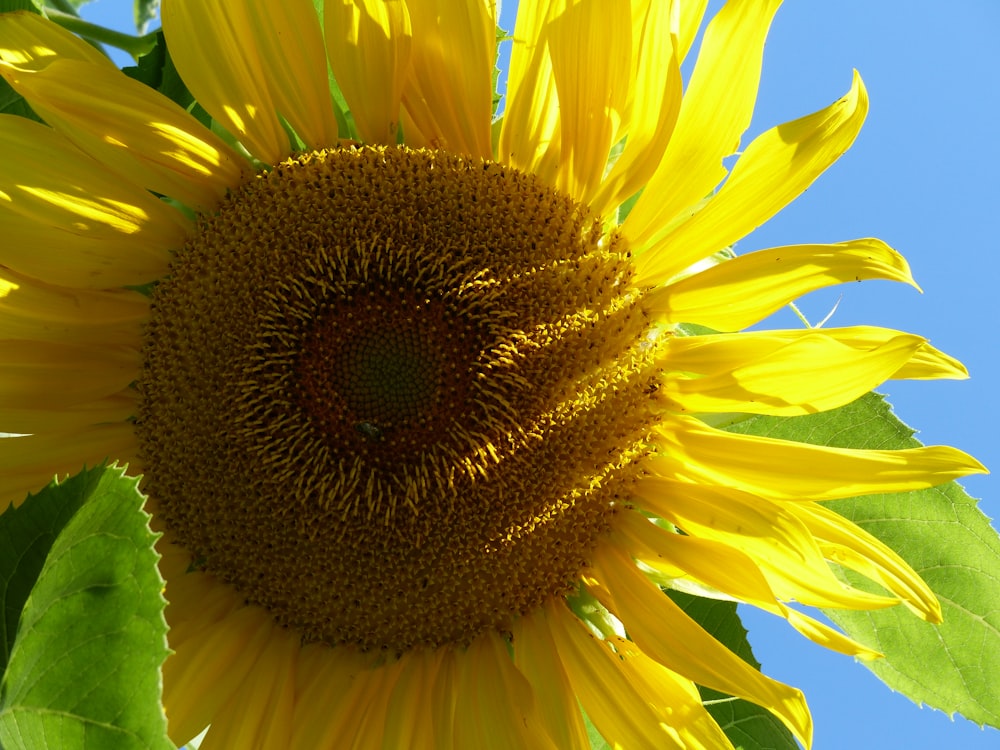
x=921 y=177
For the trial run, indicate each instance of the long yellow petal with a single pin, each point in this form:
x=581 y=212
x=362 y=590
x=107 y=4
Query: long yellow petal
x=810 y=371
x=529 y=136
x=259 y=712
x=69 y=221
x=774 y=169
x=717 y=108
x=325 y=681
x=662 y=629
x=827 y=637
x=849 y=545
x=33 y=310
x=740 y=292
x=27 y=421
x=201 y=35
x=692 y=451
x=368 y=43
x=536 y=656
x=289 y=41
x=27 y=464
x=779 y=544
x=45 y=375
x=29 y=41
x=649 y=120
x=409 y=714
x=449 y=92
x=610 y=699
x=495 y=707
x=133 y=130
x=592 y=98
x=203 y=673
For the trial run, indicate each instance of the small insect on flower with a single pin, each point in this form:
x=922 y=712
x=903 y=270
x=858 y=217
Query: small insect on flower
x=369 y=430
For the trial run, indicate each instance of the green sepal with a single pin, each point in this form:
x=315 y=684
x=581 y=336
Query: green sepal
x=84 y=635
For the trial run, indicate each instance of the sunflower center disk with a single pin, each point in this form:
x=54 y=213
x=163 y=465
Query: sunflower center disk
x=395 y=396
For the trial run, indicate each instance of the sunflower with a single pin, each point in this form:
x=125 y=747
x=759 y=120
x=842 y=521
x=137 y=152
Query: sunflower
x=414 y=392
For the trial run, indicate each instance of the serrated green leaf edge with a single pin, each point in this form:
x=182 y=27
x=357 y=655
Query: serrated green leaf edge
x=84 y=663
x=947 y=539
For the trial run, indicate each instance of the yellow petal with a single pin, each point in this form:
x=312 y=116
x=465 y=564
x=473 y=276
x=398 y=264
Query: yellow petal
x=27 y=40
x=26 y=421
x=774 y=169
x=780 y=469
x=27 y=464
x=612 y=701
x=133 y=130
x=259 y=712
x=70 y=222
x=827 y=637
x=717 y=108
x=663 y=631
x=691 y=16
x=536 y=656
x=408 y=716
x=213 y=46
x=33 y=310
x=45 y=375
x=651 y=114
x=288 y=38
x=706 y=561
x=368 y=43
x=327 y=677
x=930 y=364
x=449 y=92
x=202 y=674
x=740 y=292
x=592 y=98
x=779 y=544
x=495 y=707
x=849 y=545
x=529 y=136
x=784 y=373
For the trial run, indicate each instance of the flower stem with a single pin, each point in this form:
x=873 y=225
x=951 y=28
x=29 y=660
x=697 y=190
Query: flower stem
x=137 y=46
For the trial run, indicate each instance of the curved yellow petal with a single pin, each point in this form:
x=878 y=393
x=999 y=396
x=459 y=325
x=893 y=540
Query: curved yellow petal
x=529 y=135
x=117 y=407
x=213 y=46
x=133 y=130
x=735 y=294
x=774 y=169
x=70 y=222
x=930 y=364
x=652 y=112
x=779 y=544
x=408 y=716
x=691 y=15
x=809 y=371
x=717 y=108
x=695 y=452
x=29 y=463
x=662 y=630
x=31 y=42
x=537 y=658
x=590 y=88
x=327 y=678
x=30 y=309
x=615 y=703
x=495 y=708
x=849 y=545
x=289 y=41
x=259 y=711
x=202 y=673
x=449 y=93
x=827 y=637
x=368 y=43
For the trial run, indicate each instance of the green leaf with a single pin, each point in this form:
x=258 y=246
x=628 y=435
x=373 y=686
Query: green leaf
x=83 y=656
x=145 y=11
x=747 y=725
x=35 y=6
x=943 y=535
